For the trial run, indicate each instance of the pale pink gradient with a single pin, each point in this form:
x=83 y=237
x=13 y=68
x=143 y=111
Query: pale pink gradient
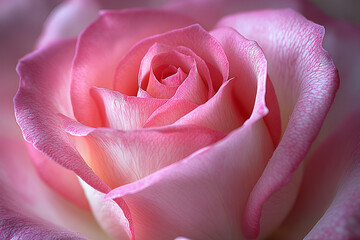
x=269 y=88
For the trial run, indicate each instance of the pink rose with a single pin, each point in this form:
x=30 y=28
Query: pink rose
x=166 y=130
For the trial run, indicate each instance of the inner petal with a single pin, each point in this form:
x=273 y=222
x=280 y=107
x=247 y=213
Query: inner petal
x=191 y=41
x=161 y=76
x=158 y=58
x=165 y=71
x=124 y=112
x=173 y=80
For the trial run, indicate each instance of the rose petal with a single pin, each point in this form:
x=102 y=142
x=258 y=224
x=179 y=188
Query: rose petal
x=160 y=55
x=100 y=48
x=211 y=186
x=193 y=37
x=43 y=93
x=43 y=100
x=29 y=209
x=120 y=157
x=65 y=183
x=234 y=102
x=124 y=112
x=192 y=89
x=67 y=20
x=15 y=225
x=169 y=113
x=172 y=76
x=221 y=112
x=305 y=92
x=108 y=214
x=245 y=57
x=328 y=204
x=158 y=90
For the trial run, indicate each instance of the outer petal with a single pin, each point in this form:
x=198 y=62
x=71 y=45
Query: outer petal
x=29 y=209
x=60 y=179
x=108 y=214
x=248 y=65
x=102 y=45
x=328 y=204
x=68 y=20
x=15 y=225
x=305 y=81
x=236 y=100
x=43 y=93
x=211 y=186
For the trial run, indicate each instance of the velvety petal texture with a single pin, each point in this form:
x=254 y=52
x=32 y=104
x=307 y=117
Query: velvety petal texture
x=306 y=88
x=42 y=100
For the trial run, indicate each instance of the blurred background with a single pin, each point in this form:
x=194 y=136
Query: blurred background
x=344 y=9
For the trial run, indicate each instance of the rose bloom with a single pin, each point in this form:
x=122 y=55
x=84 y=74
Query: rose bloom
x=191 y=121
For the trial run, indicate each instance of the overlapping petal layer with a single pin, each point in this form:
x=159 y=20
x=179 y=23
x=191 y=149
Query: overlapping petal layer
x=208 y=189
x=305 y=81
x=121 y=157
x=43 y=100
x=124 y=112
x=193 y=41
x=100 y=48
x=44 y=93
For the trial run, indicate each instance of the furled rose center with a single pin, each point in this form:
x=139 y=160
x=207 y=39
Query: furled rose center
x=170 y=76
x=167 y=72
